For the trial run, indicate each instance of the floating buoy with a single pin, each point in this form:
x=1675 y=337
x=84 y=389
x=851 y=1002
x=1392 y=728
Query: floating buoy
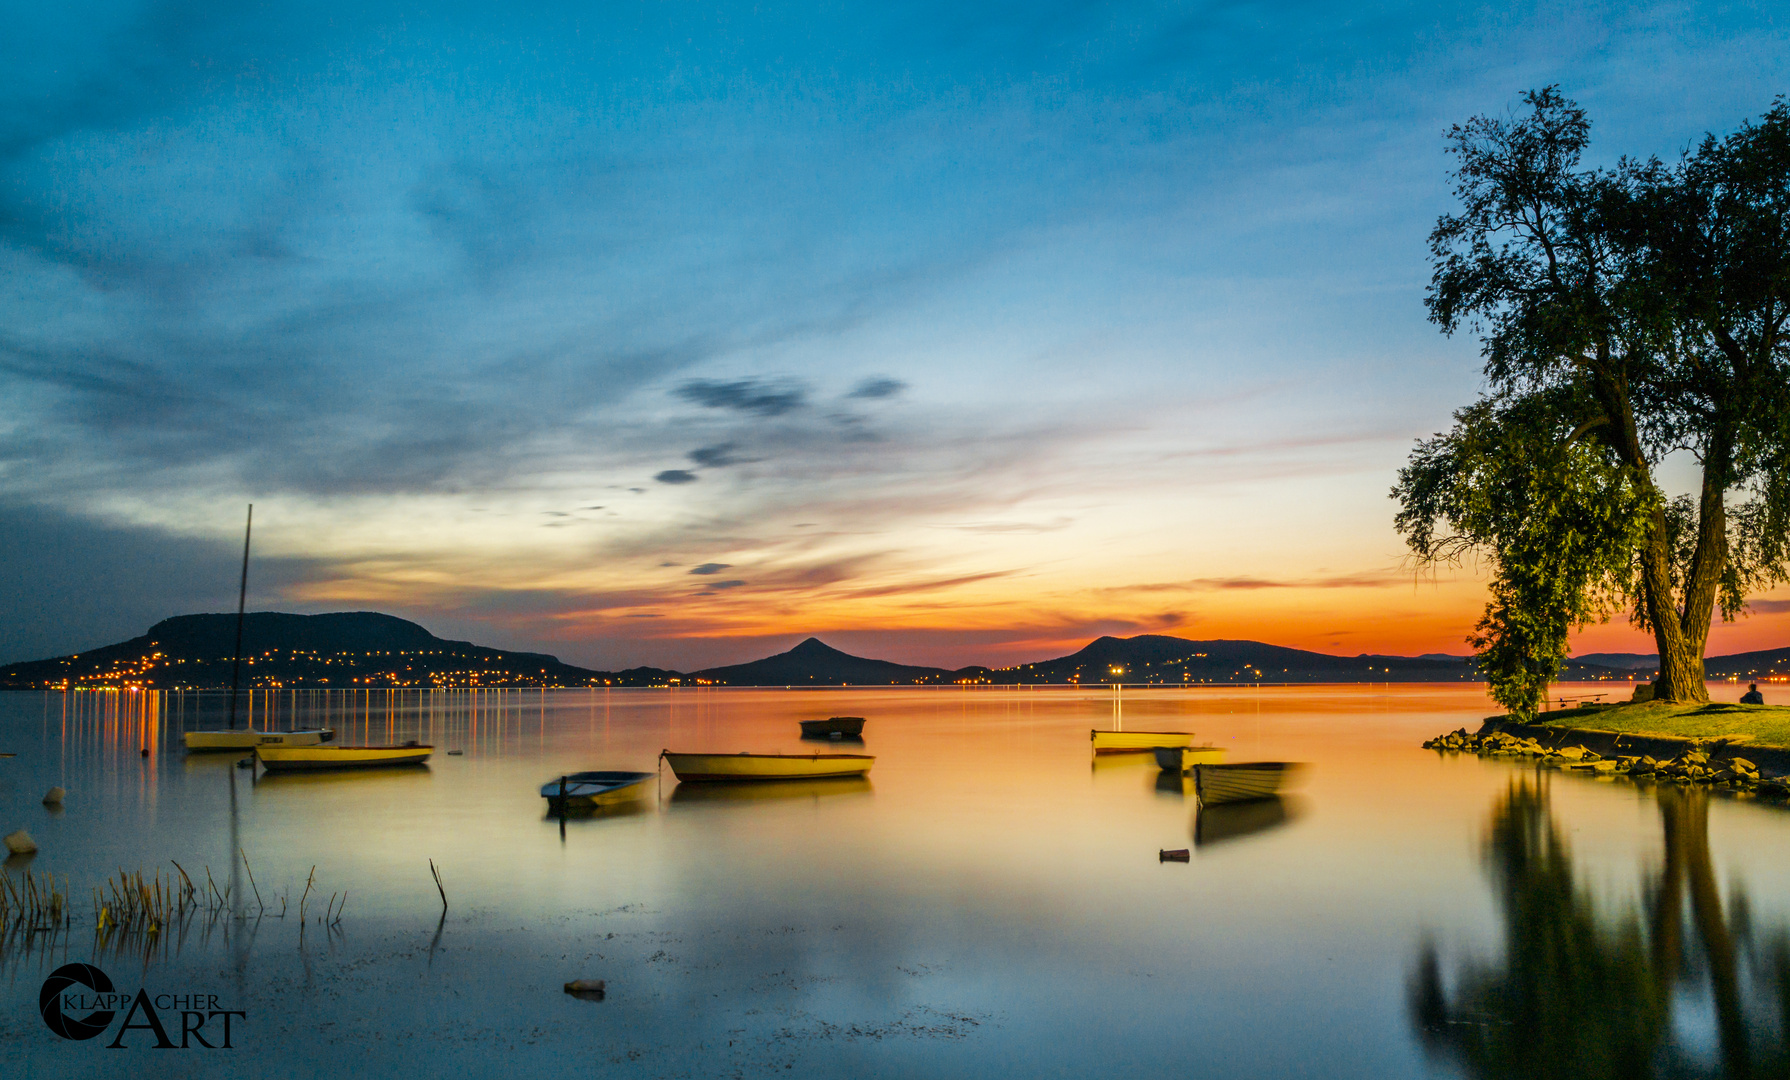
x=588 y=989
x=54 y=796
x=20 y=843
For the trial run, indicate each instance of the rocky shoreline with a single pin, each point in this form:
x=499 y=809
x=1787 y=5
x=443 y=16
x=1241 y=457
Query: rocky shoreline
x=1711 y=763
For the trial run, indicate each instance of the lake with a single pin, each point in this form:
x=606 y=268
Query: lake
x=989 y=902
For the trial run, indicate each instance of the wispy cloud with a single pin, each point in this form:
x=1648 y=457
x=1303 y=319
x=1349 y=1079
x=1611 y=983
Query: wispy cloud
x=877 y=388
x=744 y=395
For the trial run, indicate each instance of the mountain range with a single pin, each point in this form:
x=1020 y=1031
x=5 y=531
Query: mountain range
x=367 y=649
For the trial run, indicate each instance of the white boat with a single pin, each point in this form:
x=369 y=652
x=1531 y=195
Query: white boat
x=604 y=788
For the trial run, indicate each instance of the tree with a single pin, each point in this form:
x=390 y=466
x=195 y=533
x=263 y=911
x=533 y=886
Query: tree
x=1624 y=314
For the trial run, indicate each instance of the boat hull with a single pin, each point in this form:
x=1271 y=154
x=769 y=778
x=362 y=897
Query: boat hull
x=598 y=788
x=1181 y=758
x=767 y=766
x=849 y=727
x=296 y=758
x=1241 y=782
x=249 y=740
x=1136 y=742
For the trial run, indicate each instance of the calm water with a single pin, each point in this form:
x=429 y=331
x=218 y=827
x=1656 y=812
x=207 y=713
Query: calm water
x=990 y=902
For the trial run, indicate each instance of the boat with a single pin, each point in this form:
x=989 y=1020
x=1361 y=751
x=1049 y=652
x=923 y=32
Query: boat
x=1181 y=758
x=279 y=758
x=1242 y=781
x=1136 y=742
x=596 y=788
x=833 y=727
x=249 y=739
x=745 y=766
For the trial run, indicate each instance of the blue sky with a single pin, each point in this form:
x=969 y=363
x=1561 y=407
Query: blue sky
x=949 y=331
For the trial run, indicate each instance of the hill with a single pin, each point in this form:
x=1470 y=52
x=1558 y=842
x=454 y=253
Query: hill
x=815 y=663
x=342 y=649
x=1158 y=659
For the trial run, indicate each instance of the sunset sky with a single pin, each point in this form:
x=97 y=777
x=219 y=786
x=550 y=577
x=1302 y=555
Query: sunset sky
x=673 y=333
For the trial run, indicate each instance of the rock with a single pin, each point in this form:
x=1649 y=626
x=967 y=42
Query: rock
x=1591 y=755
x=1742 y=765
x=588 y=989
x=1173 y=855
x=20 y=843
x=1643 y=692
x=1572 y=753
x=1605 y=766
x=54 y=796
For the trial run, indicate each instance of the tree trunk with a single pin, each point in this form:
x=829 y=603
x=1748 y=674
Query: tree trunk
x=1680 y=659
x=1683 y=633
x=1680 y=655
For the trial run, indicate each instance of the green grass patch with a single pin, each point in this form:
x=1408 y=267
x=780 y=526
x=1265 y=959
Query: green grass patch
x=1764 y=725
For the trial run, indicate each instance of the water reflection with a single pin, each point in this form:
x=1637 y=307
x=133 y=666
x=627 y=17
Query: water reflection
x=1579 y=994
x=770 y=790
x=1234 y=821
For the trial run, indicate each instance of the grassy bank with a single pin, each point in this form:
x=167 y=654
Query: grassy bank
x=1764 y=725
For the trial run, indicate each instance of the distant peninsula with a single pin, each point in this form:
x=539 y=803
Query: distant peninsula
x=363 y=649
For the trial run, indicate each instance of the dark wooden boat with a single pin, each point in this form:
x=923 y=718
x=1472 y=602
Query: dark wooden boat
x=1242 y=781
x=845 y=727
x=1179 y=759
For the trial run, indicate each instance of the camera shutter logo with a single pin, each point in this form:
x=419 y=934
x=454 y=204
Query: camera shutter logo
x=75 y=976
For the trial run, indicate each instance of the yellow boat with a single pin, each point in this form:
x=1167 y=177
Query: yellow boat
x=248 y=739
x=1137 y=742
x=766 y=766
x=341 y=757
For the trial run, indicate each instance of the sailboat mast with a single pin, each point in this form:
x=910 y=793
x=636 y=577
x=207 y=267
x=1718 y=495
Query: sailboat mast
x=242 y=596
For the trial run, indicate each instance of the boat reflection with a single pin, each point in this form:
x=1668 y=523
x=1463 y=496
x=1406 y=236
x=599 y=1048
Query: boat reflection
x=388 y=775
x=835 y=740
x=609 y=812
x=1233 y=821
x=1176 y=784
x=1117 y=763
x=769 y=790
x=1584 y=994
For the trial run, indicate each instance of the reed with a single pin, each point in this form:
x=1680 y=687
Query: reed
x=33 y=901
x=135 y=902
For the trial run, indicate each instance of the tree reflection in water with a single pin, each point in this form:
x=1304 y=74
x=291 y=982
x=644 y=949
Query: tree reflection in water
x=1583 y=996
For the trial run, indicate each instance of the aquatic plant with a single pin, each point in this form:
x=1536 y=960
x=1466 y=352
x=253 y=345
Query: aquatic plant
x=32 y=901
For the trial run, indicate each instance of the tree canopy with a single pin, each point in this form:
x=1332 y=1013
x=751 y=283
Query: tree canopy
x=1625 y=314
